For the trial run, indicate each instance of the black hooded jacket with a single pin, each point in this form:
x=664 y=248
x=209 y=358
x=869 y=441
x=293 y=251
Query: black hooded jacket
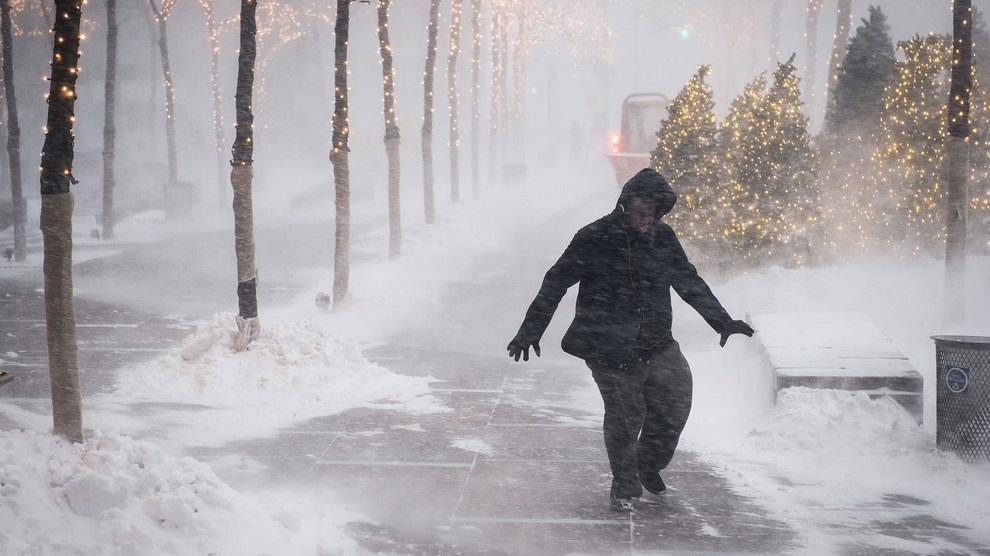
x=623 y=311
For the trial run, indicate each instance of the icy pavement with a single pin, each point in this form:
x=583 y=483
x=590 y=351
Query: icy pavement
x=502 y=458
x=511 y=470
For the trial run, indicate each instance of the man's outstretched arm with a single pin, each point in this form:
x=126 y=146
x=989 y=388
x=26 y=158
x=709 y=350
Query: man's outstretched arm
x=693 y=289
x=566 y=272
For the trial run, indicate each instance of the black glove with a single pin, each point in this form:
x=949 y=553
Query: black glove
x=734 y=327
x=520 y=345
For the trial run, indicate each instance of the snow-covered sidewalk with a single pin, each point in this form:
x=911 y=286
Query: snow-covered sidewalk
x=443 y=443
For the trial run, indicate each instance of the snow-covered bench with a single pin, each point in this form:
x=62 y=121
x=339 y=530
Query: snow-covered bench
x=839 y=350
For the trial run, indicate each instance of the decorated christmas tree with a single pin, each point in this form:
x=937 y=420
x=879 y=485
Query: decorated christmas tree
x=686 y=156
x=740 y=152
x=909 y=213
x=771 y=170
x=792 y=214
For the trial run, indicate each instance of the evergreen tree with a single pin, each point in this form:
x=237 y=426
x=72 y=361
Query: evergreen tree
x=791 y=202
x=868 y=69
x=913 y=132
x=851 y=135
x=741 y=171
x=686 y=156
x=771 y=170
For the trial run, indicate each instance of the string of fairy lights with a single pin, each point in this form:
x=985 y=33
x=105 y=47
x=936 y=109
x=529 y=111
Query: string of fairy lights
x=748 y=186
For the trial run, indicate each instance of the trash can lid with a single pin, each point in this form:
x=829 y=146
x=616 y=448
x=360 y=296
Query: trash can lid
x=981 y=342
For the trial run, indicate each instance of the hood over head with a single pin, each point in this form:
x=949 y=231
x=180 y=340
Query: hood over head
x=648 y=184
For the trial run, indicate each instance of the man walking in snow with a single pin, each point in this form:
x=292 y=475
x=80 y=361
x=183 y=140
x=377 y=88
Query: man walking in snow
x=626 y=263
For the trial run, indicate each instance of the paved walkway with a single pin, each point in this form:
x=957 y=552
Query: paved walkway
x=516 y=468
x=506 y=472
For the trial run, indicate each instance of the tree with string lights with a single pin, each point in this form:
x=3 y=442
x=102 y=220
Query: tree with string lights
x=339 y=155
x=56 y=222
x=957 y=157
x=162 y=13
x=213 y=30
x=741 y=169
x=912 y=149
x=771 y=170
x=452 y=97
x=241 y=177
x=476 y=29
x=427 y=131
x=686 y=154
x=790 y=203
x=391 y=133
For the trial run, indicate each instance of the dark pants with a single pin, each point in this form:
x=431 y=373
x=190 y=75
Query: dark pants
x=646 y=407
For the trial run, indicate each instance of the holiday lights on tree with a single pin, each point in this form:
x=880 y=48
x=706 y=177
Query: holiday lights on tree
x=769 y=193
x=913 y=134
x=686 y=155
x=739 y=154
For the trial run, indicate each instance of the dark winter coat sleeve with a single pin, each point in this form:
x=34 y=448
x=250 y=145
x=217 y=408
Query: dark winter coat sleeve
x=566 y=272
x=692 y=287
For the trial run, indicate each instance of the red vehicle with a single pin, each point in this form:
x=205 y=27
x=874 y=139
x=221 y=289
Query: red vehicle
x=629 y=151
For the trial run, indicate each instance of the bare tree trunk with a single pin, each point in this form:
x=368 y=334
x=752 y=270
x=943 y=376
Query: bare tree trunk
x=495 y=105
x=339 y=155
x=427 y=134
x=161 y=16
x=843 y=24
x=775 y=13
x=13 y=136
x=109 y=128
x=391 y=134
x=476 y=98
x=958 y=158
x=56 y=223
x=455 y=139
x=241 y=177
x=214 y=31
x=4 y=160
x=811 y=69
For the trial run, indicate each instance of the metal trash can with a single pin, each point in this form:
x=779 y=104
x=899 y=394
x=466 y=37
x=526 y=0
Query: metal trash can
x=962 y=396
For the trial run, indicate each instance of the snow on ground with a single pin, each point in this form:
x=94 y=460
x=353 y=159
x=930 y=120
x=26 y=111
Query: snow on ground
x=294 y=372
x=818 y=451
x=113 y=495
x=117 y=495
x=811 y=453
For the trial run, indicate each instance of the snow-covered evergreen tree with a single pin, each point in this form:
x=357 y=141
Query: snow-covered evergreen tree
x=686 y=156
x=911 y=189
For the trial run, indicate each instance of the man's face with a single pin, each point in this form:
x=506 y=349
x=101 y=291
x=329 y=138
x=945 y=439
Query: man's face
x=639 y=215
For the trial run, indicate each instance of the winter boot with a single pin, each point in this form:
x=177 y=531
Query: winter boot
x=620 y=504
x=652 y=482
